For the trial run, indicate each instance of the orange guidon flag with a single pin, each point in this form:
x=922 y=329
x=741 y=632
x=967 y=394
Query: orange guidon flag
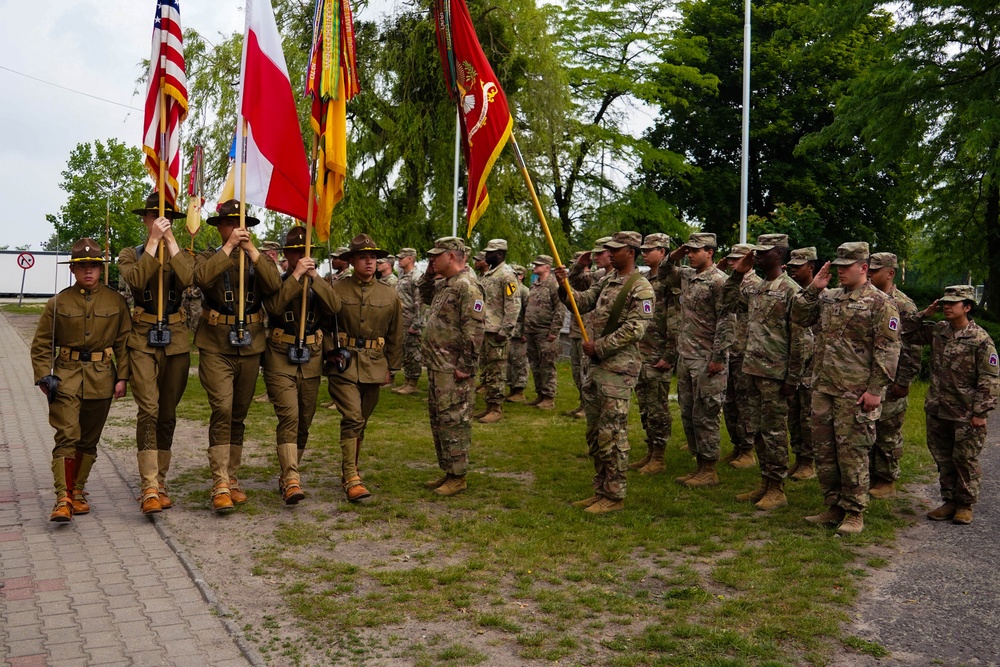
x=332 y=81
x=486 y=120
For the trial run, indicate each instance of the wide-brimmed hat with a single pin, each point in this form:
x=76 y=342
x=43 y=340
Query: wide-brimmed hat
x=295 y=239
x=85 y=250
x=152 y=205
x=957 y=293
x=230 y=210
x=364 y=243
x=851 y=253
x=802 y=256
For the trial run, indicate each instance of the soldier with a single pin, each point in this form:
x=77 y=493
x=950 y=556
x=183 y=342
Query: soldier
x=771 y=361
x=272 y=250
x=413 y=319
x=293 y=367
x=963 y=391
x=191 y=305
x=622 y=306
x=159 y=364
x=856 y=354
x=703 y=343
x=736 y=408
x=87 y=322
x=229 y=358
x=341 y=267
x=517 y=353
x=502 y=308
x=801 y=267
x=451 y=343
x=581 y=277
x=385 y=274
x=653 y=388
x=370 y=325
x=888 y=449
x=543 y=320
x=576 y=357
x=480 y=264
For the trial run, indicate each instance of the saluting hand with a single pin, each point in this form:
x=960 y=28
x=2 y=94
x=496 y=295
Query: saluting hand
x=745 y=263
x=584 y=259
x=822 y=278
x=678 y=255
x=931 y=309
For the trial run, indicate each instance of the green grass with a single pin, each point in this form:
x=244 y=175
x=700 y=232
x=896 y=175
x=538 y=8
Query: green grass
x=24 y=309
x=681 y=577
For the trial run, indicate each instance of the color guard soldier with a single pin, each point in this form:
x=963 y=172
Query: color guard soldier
x=160 y=350
x=87 y=322
x=229 y=358
x=370 y=325
x=293 y=367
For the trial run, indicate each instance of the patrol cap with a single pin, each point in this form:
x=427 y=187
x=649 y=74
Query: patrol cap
x=851 y=253
x=655 y=240
x=230 y=210
x=274 y=245
x=701 y=240
x=883 y=260
x=518 y=269
x=383 y=260
x=339 y=252
x=85 y=250
x=407 y=252
x=766 y=242
x=957 y=293
x=623 y=240
x=295 y=238
x=152 y=205
x=599 y=244
x=391 y=257
x=802 y=256
x=578 y=254
x=364 y=243
x=543 y=260
x=495 y=244
x=740 y=250
x=446 y=243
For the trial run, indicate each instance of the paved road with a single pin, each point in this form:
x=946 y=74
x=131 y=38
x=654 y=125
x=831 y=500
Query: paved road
x=106 y=589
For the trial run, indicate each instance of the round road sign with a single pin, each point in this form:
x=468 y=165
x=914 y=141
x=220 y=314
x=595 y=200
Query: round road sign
x=26 y=260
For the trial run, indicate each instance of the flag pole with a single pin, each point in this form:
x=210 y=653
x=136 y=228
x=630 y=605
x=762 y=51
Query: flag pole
x=745 y=139
x=548 y=235
x=309 y=226
x=241 y=320
x=107 y=238
x=161 y=186
x=458 y=140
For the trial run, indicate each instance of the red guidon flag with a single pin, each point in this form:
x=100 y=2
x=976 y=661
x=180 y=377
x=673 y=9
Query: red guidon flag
x=277 y=173
x=166 y=66
x=486 y=120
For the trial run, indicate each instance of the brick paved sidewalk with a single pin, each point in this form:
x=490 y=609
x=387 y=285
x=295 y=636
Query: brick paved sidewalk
x=105 y=589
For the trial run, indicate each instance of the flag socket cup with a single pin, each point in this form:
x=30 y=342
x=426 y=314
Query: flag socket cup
x=239 y=337
x=299 y=354
x=158 y=336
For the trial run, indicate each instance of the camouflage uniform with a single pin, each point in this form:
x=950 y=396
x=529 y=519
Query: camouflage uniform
x=800 y=404
x=856 y=351
x=502 y=308
x=611 y=376
x=451 y=341
x=736 y=409
x=653 y=386
x=705 y=335
x=576 y=347
x=191 y=305
x=413 y=318
x=517 y=352
x=582 y=278
x=543 y=320
x=964 y=384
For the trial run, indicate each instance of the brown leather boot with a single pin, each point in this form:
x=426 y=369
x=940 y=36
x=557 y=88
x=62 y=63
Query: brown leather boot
x=853 y=523
x=832 y=516
x=63 y=469
x=547 y=403
x=235 y=460
x=149 y=470
x=705 y=478
x=435 y=483
x=643 y=461
x=356 y=491
x=494 y=413
x=163 y=467
x=963 y=515
x=655 y=465
x=806 y=469
x=516 y=396
x=883 y=489
x=774 y=498
x=63 y=510
x=587 y=502
x=943 y=513
x=288 y=462
x=452 y=486
x=745 y=460
x=605 y=505
x=222 y=501
x=755 y=495
x=84 y=463
x=149 y=502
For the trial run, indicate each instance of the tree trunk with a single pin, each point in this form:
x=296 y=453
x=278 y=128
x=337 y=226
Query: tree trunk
x=991 y=291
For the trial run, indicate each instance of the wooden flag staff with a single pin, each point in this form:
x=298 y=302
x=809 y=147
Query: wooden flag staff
x=299 y=353
x=159 y=335
x=241 y=336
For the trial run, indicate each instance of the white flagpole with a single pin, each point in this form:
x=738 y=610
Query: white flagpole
x=458 y=139
x=745 y=158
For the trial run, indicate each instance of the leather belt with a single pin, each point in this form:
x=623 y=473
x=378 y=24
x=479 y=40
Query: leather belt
x=140 y=315
x=362 y=343
x=214 y=317
x=69 y=354
x=279 y=336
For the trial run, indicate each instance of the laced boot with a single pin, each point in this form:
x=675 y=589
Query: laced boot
x=745 y=460
x=288 y=461
x=963 y=515
x=535 y=401
x=494 y=413
x=943 y=513
x=235 y=459
x=805 y=469
x=454 y=484
x=643 y=461
x=547 y=403
x=605 y=505
x=684 y=478
x=707 y=477
x=580 y=414
x=755 y=495
x=409 y=388
x=774 y=498
x=63 y=468
x=852 y=524
x=163 y=466
x=516 y=395
x=149 y=469
x=795 y=466
x=731 y=456
x=832 y=516
x=587 y=502
x=479 y=414
x=435 y=483
x=883 y=489
x=655 y=464
x=84 y=464
x=222 y=500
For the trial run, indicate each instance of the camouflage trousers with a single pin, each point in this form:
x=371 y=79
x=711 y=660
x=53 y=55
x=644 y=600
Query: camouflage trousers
x=799 y=427
x=606 y=399
x=736 y=407
x=450 y=403
x=411 y=356
x=653 y=392
x=517 y=364
x=843 y=434
x=955 y=447
x=493 y=368
x=768 y=418
x=888 y=448
x=576 y=363
x=542 y=355
x=700 y=396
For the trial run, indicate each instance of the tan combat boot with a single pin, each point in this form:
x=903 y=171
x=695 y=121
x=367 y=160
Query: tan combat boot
x=84 y=464
x=494 y=413
x=350 y=478
x=409 y=388
x=163 y=467
x=235 y=459
x=288 y=461
x=853 y=523
x=684 y=478
x=515 y=396
x=745 y=460
x=587 y=502
x=883 y=489
x=479 y=414
x=707 y=477
x=655 y=465
x=218 y=461
x=963 y=515
x=480 y=389
x=605 y=505
x=435 y=483
x=580 y=414
x=795 y=466
x=62 y=469
x=642 y=462
x=774 y=498
x=806 y=469
x=149 y=469
x=830 y=517
x=943 y=513
x=547 y=403
x=755 y=495
x=453 y=485
x=535 y=401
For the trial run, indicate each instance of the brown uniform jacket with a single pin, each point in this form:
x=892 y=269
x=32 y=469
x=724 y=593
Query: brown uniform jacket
x=91 y=321
x=369 y=312
x=142 y=277
x=284 y=309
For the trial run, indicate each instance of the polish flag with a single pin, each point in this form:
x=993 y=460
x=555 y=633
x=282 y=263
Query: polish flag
x=277 y=174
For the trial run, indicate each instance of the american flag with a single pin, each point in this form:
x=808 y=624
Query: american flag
x=166 y=63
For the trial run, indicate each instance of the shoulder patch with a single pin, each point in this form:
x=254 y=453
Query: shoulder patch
x=510 y=289
x=478 y=306
x=993 y=360
x=647 y=307
x=894 y=324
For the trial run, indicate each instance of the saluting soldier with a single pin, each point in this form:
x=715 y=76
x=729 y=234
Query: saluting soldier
x=502 y=308
x=159 y=362
x=517 y=353
x=229 y=358
x=370 y=325
x=87 y=322
x=451 y=343
x=801 y=267
x=588 y=268
x=543 y=321
x=413 y=319
x=856 y=354
x=293 y=367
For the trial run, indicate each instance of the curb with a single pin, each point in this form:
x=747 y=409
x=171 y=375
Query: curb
x=224 y=614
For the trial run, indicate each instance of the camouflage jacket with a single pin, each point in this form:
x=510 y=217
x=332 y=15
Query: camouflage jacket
x=769 y=336
x=803 y=347
x=545 y=311
x=522 y=294
x=617 y=352
x=857 y=347
x=706 y=331
x=409 y=297
x=390 y=280
x=656 y=344
x=581 y=278
x=909 y=353
x=964 y=368
x=453 y=334
x=500 y=296
x=739 y=347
